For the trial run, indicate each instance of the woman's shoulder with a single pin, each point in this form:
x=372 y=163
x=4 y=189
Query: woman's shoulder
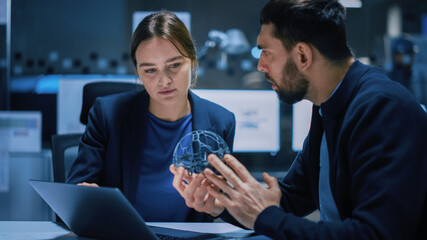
x=121 y=97
x=120 y=102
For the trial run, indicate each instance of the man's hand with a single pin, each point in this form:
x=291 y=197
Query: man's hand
x=193 y=188
x=243 y=196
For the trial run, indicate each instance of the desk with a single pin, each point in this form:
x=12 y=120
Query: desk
x=25 y=230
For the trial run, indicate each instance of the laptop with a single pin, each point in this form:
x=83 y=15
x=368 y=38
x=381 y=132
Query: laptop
x=104 y=213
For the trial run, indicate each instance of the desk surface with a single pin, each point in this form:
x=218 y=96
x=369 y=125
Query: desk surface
x=23 y=230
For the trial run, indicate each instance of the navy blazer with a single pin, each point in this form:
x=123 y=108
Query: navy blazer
x=109 y=149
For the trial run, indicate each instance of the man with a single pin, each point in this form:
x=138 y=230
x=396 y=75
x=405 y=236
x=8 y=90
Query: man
x=364 y=160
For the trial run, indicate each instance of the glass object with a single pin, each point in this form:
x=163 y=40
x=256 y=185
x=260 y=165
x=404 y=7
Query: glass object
x=192 y=150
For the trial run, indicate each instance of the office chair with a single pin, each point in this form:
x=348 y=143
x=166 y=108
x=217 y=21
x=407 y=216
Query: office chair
x=97 y=89
x=61 y=164
x=61 y=142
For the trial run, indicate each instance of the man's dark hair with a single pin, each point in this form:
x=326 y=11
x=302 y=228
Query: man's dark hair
x=316 y=22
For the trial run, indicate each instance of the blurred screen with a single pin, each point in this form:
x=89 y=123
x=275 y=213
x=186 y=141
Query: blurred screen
x=301 y=120
x=257 y=117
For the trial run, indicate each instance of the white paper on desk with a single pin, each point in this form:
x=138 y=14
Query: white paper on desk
x=199 y=227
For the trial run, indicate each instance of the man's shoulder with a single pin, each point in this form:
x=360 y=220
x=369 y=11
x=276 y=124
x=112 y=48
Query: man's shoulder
x=375 y=85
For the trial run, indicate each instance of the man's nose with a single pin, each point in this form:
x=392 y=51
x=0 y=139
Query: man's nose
x=261 y=66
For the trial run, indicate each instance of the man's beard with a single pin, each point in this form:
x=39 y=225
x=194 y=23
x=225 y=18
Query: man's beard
x=293 y=86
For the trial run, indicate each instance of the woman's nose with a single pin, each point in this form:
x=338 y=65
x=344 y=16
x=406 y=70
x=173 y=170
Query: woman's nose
x=165 y=79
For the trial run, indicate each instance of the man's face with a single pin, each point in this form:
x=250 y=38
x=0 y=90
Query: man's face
x=279 y=67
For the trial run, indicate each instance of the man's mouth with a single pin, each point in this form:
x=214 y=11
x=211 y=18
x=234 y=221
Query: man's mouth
x=270 y=80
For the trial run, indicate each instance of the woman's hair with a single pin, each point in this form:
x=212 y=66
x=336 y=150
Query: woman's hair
x=317 y=22
x=166 y=25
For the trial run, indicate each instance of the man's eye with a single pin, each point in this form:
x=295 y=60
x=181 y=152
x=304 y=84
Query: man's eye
x=150 y=70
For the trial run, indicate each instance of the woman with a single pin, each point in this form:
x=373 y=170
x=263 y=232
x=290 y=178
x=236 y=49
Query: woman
x=130 y=137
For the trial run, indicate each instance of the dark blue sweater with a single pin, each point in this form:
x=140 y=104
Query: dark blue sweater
x=377 y=141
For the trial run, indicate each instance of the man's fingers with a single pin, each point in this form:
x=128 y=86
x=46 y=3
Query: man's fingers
x=270 y=180
x=218 y=181
x=225 y=171
x=238 y=168
x=223 y=198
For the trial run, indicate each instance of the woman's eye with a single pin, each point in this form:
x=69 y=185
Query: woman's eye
x=175 y=65
x=150 y=70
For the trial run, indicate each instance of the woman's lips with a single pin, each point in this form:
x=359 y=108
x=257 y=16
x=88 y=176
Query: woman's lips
x=166 y=92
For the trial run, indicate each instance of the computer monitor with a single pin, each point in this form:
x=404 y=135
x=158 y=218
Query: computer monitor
x=257 y=117
x=301 y=121
x=21 y=131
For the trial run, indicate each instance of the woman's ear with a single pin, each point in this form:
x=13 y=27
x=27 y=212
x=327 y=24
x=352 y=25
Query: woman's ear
x=303 y=56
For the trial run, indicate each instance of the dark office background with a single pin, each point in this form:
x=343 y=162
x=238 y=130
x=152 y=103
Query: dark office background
x=47 y=33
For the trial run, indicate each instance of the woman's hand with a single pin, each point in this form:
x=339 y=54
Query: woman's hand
x=88 y=184
x=193 y=188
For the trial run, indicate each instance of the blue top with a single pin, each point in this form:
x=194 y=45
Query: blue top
x=328 y=208
x=156 y=199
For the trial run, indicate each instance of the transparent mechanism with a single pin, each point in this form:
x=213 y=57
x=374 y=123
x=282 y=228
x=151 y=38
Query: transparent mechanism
x=193 y=149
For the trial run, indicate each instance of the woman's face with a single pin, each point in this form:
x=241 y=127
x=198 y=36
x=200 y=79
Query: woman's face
x=164 y=71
